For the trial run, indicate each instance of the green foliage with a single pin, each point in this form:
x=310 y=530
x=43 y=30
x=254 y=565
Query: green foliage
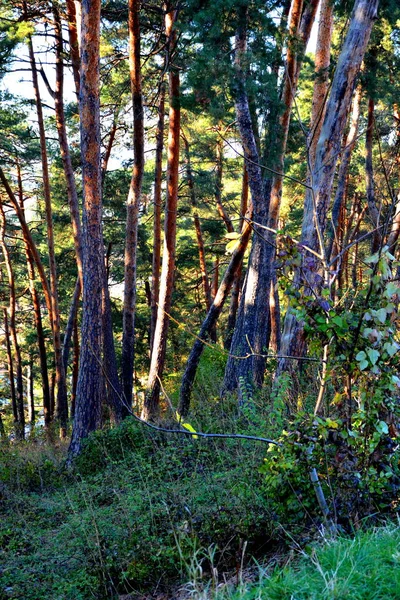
x=131 y=516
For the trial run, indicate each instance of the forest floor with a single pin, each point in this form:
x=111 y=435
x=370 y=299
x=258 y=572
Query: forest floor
x=144 y=517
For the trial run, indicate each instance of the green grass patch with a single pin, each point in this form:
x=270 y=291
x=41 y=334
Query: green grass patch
x=366 y=567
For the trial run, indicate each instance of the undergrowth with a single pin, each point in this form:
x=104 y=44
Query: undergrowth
x=130 y=517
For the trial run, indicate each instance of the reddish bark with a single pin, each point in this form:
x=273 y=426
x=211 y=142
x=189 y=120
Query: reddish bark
x=37 y=312
x=156 y=263
x=90 y=386
x=151 y=404
x=321 y=83
x=16 y=361
x=74 y=40
x=133 y=203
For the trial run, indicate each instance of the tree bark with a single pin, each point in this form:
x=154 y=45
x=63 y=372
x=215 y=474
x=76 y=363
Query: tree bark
x=10 y=365
x=37 y=312
x=64 y=146
x=75 y=368
x=349 y=145
x=328 y=149
x=257 y=192
x=74 y=42
x=28 y=236
x=151 y=404
x=90 y=381
x=156 y=263
x=133 y=203
x=62 y=402
x=30 y=400
x=321 y=83
x=252 y=331
x=369 y=178
x=235 y=294
x=197 y=227
x=17 y=361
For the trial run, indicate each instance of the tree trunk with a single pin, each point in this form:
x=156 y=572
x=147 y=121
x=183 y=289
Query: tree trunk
x=119 y=404
x=328 y=149
x=30 y=400
x=10 y=364
x=133 y=204
x=155 y=273
x=151 y=404
x=62 y=403
x=28 y=237
x=252 y=331
x=321 y=83
x=64 y=146
x=75 y=368
x=16 y=362
x=197 y=227
x=257 y=192
x=234 y=304
x=90 y=381
x=246 y=362
x=369 y=178
x=37 y=312
x=73 y=312
x=275 y=316
x=349 y=145
x=74 y=42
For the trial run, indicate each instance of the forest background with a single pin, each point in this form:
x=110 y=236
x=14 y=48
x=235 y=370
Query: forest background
x=199 y=219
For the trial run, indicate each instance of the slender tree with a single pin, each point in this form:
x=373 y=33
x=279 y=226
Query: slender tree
x=156 y=262
x=151 y=404
x=62 y=402
x=133 y=203
x=16 y=360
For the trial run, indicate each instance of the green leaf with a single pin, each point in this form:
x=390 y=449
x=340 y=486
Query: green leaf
x=233 y=235
x=361 y=356
x=187 y=426
x=382 y=428
x=373 y=355
x=391 y=348
x=381 y=314
x=231 y=246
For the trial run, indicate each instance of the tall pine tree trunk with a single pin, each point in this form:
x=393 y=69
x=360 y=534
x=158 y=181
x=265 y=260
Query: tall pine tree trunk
x=252 y=331
x=37 y=312
x=133 y=204
x=321 y=83
x=10 y=365
x=197 y=226
x=151 y=404
x=16 y=361
x=156 y=262
x=90 y=386
x=237 y=284
x=257 y=193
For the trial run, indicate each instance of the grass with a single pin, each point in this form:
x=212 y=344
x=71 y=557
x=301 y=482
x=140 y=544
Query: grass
x=366 y=567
